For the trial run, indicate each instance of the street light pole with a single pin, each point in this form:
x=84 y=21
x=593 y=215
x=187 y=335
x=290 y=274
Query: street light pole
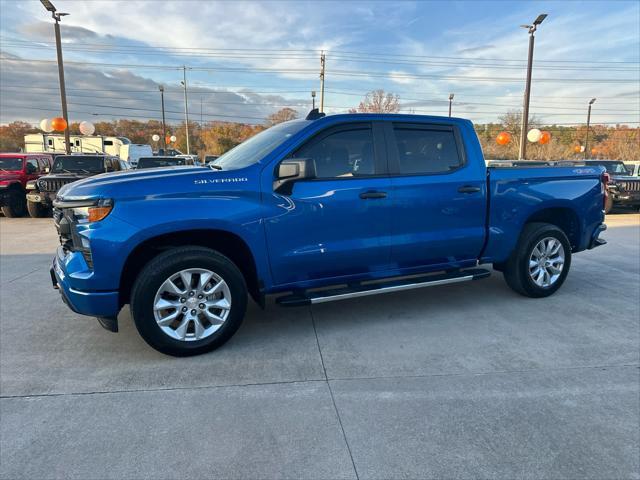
x=164 y=124
x=322 y=65
x=450 y=102
x=63 y=91
x=186 y=107
x=586 y=141
x=527 y=90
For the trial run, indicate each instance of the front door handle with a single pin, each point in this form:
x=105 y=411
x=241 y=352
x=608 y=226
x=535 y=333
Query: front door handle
x=368 y=195
x=469 y=189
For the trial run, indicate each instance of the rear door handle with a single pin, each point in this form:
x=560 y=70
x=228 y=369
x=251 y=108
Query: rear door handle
x=368 y=195
x=469 y=189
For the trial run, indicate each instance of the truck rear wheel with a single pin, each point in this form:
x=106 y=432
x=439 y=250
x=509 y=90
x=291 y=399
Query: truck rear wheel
x=15 y=205
x=37 y=210
x=540 y=262
x=188 y=301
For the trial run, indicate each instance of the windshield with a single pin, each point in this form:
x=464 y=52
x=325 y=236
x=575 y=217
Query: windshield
x=78 y=163
x=11 y=163
x=254 y=149
x=153 y=162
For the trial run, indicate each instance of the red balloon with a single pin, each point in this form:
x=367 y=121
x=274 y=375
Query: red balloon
x=59 y=124
x=503 y=138
x=545 y=138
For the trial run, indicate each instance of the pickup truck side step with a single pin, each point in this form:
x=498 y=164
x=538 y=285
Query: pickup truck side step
x=363 y=290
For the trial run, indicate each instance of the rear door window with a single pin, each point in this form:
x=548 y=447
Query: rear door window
x=427 y=150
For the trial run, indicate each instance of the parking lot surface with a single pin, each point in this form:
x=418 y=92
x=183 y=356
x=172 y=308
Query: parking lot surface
x=459 y=381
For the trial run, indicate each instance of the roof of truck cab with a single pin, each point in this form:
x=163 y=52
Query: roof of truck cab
x=387 y=117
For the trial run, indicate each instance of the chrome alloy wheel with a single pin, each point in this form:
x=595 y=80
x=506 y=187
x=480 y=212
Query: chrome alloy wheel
x=546 y=262
x=192 y=304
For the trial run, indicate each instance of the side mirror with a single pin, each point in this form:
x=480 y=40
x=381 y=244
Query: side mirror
x=293 y=170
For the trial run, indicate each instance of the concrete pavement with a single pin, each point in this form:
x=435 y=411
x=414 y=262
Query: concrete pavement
x=459 y=381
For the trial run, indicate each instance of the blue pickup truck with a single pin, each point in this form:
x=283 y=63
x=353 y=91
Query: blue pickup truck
x=317 y=209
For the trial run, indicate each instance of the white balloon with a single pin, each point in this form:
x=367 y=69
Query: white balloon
x=45 y=125
x=87 y=128
x=534 y=135
x=173 y=138
x=155 y=137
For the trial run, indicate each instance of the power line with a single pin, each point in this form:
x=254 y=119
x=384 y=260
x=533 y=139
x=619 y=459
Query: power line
x=351 y=73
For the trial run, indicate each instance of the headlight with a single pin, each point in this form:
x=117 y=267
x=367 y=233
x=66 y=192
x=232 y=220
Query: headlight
x=32 y=185
x=93 y=213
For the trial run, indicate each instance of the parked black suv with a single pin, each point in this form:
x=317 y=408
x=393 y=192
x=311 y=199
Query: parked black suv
x=66 y=169
x=624 y=189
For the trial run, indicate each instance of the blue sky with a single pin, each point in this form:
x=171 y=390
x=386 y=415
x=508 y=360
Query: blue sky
x=248 y=59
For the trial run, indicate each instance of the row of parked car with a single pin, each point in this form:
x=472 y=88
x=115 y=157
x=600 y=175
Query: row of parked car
x=29 y=182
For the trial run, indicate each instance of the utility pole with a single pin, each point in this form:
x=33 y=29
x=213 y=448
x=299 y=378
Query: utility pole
x=586 y=142
x=322 y=65
x=164 y=124
x=186 y=107
x=313 y=99
x=527 y=90
x=450 y=102
x=201 y=111
x=63 y=92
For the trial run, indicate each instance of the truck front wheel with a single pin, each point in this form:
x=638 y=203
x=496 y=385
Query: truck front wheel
x=37 y=210
x=540 y=263
x=188 y=301
x=15 y=204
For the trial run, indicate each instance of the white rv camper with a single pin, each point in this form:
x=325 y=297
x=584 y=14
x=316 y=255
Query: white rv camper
x=54 y=143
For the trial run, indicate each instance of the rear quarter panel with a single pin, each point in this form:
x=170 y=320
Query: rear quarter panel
x=517 y=194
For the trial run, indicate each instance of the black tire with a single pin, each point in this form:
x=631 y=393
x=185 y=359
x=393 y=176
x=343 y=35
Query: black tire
x=164 y=266
x=608 y=204
x=15 y=206
x=37 y=210
x=516 y=269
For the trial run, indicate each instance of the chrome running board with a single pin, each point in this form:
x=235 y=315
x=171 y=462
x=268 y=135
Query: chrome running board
x=393 y=285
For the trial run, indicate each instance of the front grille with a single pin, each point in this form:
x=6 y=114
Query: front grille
x=63 y=226
x=629 y=186
x=53 y=184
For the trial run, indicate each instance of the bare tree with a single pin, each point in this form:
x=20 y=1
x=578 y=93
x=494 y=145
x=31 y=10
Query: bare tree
x=377 y=101
x=283 y=115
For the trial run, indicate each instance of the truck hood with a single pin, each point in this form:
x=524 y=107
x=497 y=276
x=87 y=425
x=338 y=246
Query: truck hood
x=151 y=182
x=9 y=177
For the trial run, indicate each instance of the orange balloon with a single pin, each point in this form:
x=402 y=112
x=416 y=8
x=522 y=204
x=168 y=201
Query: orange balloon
x=545 y=138
x=503 y=138
x=59 y=124
x=577 y=148
x=594 y=151
x=167 y=139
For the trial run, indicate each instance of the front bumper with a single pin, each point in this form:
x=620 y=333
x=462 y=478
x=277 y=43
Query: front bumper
x=97 y=304
x=46 y=198
x=625 y=198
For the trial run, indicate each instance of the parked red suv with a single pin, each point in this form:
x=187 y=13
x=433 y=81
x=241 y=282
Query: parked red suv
x=16 y=169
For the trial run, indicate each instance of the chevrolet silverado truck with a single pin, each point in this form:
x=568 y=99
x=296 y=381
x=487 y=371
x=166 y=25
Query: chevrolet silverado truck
x=16 y=171
x=316 y=209
x=66 y=169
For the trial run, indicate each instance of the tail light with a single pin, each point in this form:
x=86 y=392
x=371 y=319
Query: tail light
x=605 y=186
